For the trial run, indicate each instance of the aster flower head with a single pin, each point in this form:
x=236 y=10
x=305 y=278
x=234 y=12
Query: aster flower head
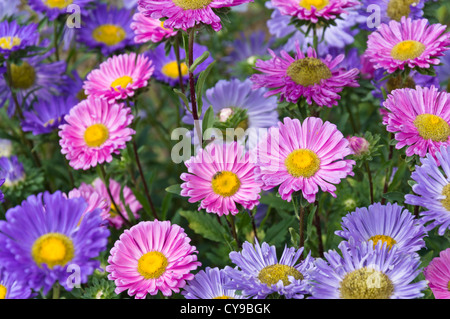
x=367 y=272
x=391 y=10
x=42 y=237
x=47 y=116
x=93 y=198
x=119 y=77
x=152 y=256
x=52 y=9
x=11 y=288
x=359 y=145
x=210 y=284
x=6 y=147
x=166 y=67
x=14 y=37
x=438 y=275
x=107 y=28
x=221 y=176
x=186 y=14
x=147 y=29
x=110 y=212
x=303 y=157
x=11 y=170
x=33 y=79
x=2 y=196
x=260 y=272
x=317 y=80
x=94 y=131
x=420 y=119
x=390 y=224
x=314 y=10
x=432 y=190
x=408 y=43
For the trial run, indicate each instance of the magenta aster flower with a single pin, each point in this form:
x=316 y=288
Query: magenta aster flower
x=93 y=198
x=110 y=212
x=314 y=10
x=95 y=130
x=303 y=157
x=220 y=176
x=150 y=257
x=412 y=43
x=119 y=77
x=315 y=79
x=420 y=118
x=438 y=275
x=185 y=14
x=149 y=30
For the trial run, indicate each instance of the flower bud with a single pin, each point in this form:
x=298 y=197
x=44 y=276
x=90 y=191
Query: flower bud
x=359 y=145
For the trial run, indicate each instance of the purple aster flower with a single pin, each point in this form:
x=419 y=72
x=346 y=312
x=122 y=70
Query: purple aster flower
x=245 y=48
x=2 y=196
x=166 y=68
x=388 y=10
x=11 y=170
x=367 y=272
x=443 y=70
x=304 y=76
x=391 y=224
x=210 y=284
x=41 y=239
x=52 y=9
x=33 y=79
x=14 y=37
x=260 y=273
x=9 y=8
x=432 y=190
x=12 y=288
x=46 y=116
x=185 y=14
x=107 y=28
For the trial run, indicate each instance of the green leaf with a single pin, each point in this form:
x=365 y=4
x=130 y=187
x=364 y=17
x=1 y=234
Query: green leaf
x=199 y=61
x=277 y=233
x=174 y=189
x=184 y=98
x=295 y=237
x=395 y=197
x=208 y=119
x=199 y=86
x=206 y=225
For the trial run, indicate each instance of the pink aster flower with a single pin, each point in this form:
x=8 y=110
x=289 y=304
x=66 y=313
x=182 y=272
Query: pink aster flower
x=119 y=77
x=318 y=80
x=110 y=211
x=150 y=257
x=220 y=176
x=185 y=14
x=303 y=157
x=92 y=197
x=420 y=118
x=95 y=130
x=149 y=30
x=314 y=10
x=438 y=275
x=412 y=43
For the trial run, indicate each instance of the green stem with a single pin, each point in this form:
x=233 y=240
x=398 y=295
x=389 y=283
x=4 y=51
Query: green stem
x=176 y=48
x=56 y=291
x=369 y=174
x=255 y=230
x=232 y=225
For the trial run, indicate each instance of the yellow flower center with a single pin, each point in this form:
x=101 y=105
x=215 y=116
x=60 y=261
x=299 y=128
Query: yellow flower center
x=113 y=211
x=308 y=71
x=191 y=4
x=95 y=135
x=223 y=297
x=7 y=43
x=302 y=163
x=23 y=76
x=225 y=183
x=272 y=274
x=3 y=292
x=52 y=249
x=432 y=127
x=384 y=239
x=407 y=50
x=109 y=34
x=122 y=82
x=397 y=9
x=366 y=283
x=446 y=201
x=61 y=4
x=318 y=4
x=152 y=265
x=171 y=69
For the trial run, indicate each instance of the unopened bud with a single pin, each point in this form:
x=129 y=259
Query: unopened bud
x=359 y=145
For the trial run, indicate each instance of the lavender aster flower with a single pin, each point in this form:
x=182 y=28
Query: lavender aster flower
x=367 y=272
x=11 y=288
x=52 y=9
x=11 y=170
x=41 y=238
x=432 y=190
x=14 y=37
x=260 y=273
